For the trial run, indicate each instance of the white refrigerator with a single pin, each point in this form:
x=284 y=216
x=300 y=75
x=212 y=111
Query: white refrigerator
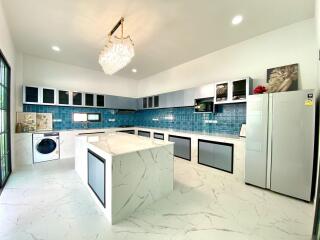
x=281 y=142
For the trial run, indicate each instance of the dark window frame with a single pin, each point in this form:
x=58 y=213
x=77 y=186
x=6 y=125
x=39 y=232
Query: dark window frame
x=8 y=118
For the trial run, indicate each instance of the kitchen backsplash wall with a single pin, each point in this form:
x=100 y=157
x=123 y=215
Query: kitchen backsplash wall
x=226 y=119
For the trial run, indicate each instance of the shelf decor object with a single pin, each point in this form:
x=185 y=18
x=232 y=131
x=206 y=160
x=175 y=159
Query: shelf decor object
x=117 y=52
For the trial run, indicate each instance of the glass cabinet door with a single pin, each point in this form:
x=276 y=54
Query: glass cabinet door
x=32 y=94
x=5 y=151
x=48 y=95
x=63 y=97
x=100 y=100
x=222 y=92
x=89 y=99
x=77 y=98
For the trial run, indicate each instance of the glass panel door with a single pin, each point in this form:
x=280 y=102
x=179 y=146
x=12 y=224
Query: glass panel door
x=5 y=152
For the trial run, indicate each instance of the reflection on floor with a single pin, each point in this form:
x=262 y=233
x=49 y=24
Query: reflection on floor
x=50 y=202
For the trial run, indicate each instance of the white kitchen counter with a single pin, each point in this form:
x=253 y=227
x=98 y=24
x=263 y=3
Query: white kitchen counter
x=137 y=171
x=23 y=154
x=116 y=143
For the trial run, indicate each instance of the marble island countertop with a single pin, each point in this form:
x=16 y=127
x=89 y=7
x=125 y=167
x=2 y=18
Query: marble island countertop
x=116 y=143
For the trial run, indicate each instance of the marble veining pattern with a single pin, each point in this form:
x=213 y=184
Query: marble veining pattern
x=50 y=202
x=116 y=143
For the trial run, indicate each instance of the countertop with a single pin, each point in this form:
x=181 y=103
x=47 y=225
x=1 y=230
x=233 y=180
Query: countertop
x=116 y=143
x=161 y=130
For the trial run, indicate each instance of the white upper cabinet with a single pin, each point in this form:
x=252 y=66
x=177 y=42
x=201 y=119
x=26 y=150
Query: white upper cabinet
x=233 y=91
x=204 y=91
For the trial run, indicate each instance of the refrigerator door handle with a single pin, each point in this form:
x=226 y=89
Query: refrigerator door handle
x=269 y=146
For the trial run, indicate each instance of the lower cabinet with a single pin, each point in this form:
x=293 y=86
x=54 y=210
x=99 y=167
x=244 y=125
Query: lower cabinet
x=182 y=146
x=127 y=131
x=216 y=154
x=158 y=136
x=144 y=133
x=96 y=176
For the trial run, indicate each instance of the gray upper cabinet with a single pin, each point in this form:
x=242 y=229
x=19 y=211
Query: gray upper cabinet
x=116 y=102
x=131 y=103
x=163 y=100
x=178 y=99
x=140 y=103
x=204 y=91
x=111 y=101
x=188 y=97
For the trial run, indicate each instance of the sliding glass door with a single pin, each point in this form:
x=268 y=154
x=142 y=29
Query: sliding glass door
x=5 y=151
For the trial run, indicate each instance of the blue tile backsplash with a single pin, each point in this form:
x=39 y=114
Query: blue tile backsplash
x=229 y=118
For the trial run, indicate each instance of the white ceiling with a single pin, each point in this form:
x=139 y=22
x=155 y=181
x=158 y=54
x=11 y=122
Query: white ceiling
x=166 y=33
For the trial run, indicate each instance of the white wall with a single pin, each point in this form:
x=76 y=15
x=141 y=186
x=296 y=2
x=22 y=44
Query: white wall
x=8 y=50
x=292 y=44
x=43 y=72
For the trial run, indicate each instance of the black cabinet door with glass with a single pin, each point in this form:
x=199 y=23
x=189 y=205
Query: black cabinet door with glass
x=5 y=148
x=100 y=100
x=89 y=99
x=156 y=101
x=31 y=94
x=77 y=98
x=48 y=96
x=63 y=97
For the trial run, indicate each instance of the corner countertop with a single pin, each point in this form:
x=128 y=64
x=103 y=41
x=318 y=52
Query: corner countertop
x=116 y=143
x=222 y=137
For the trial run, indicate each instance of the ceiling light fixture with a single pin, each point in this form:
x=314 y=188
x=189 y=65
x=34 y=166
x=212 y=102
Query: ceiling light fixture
x=237 y=20
x=134 y=70
x=56 y=48
x=117 y=52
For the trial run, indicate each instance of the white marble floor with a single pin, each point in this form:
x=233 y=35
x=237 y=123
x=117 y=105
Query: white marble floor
x=49 y=202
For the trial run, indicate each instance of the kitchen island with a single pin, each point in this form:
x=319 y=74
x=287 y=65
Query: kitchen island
x=124 y=172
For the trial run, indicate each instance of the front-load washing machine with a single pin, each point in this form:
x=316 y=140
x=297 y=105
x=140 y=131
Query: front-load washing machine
x=46 y=147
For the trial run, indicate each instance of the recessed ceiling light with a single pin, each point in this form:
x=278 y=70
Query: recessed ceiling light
x=55 y=48
x=237 y=20
x=134 y=70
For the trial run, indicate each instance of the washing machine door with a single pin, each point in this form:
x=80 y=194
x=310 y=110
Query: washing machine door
x=46 y=146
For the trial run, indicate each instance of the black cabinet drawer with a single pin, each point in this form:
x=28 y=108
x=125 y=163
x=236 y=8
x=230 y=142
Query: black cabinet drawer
x=182 y=146
x=158 y=136
x=216 y=154
x=144 y=133
x=127 y=131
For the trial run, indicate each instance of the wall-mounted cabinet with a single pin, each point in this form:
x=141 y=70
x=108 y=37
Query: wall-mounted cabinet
x=48 y=96
x=204 y=91
x=77 y=98
x=89 y=99
x=31 y=94
x=39 y=95
x=148 y=102
x=116 y=102
x=233 y=91
x=51 y=96
x=156 y=101
x=100 y=101
x=64 y=97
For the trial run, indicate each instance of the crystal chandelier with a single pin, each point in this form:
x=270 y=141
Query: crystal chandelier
x=117 y=52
